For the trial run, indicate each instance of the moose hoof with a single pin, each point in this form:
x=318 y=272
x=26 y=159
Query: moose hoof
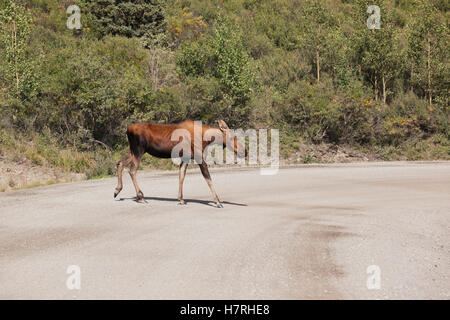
x=140 y=200
x=219 y=205
x=181 y=203
x=116 y=192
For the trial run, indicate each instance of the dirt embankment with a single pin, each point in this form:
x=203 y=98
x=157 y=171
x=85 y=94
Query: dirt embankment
x=17 y=175
x=327 y=153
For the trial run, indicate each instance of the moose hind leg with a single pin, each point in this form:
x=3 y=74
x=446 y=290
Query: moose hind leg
x=125 y=161
x=183 y=167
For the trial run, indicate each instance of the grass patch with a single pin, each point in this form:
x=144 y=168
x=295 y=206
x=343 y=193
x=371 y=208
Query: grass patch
x=34 y=185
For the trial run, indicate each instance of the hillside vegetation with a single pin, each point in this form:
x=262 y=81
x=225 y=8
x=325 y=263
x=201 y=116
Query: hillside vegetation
x=310 y=68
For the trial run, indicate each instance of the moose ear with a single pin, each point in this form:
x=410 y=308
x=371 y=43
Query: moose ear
x=222 y=125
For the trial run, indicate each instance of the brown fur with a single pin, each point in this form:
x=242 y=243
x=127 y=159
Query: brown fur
x=155 y=139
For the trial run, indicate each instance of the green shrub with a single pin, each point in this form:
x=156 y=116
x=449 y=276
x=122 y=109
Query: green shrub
x=137 y=18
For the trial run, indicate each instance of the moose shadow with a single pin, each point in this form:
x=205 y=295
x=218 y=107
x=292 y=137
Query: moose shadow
x=204 y=202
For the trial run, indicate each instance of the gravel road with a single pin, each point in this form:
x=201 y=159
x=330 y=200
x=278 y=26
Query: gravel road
x=307 y=232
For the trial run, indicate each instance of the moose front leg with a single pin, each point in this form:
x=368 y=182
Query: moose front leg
x=182 y=174
x=205 y=173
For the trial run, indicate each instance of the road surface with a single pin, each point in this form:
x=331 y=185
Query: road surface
x=307 y=232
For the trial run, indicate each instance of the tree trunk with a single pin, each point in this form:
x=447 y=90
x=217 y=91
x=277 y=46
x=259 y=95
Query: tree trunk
x=384 y=88
x=15 y=55
x=375 y=82
x=317 y=64
x=375 y=87
x=429 y=68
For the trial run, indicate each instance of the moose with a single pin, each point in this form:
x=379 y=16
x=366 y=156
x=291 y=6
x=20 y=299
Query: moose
x=160 y=140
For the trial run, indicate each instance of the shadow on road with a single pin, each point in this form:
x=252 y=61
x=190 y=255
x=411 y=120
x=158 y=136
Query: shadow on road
x=205 y=202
